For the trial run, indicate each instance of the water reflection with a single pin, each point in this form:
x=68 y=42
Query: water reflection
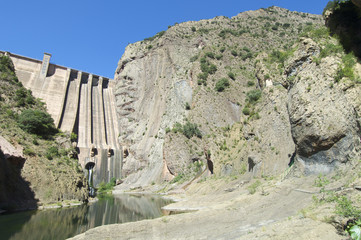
x=68 y=222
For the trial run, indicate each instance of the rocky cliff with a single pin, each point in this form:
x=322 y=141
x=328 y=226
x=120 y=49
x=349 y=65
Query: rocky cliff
x=254 y=94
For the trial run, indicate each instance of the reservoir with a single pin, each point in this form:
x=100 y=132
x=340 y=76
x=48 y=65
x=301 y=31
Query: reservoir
x=63 y=223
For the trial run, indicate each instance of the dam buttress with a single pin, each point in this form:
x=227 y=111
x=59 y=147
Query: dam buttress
x=79 y=102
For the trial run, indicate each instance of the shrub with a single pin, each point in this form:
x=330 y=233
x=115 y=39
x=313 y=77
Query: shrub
x=188 y=107
x=279 y=56
x=234 y=53
x=330 y=49
x=209 y=54
x=194 y=29
x=345 y=207
x=346 y=68
x=246 y=56
x=37 y=122
x=178 y=178
x=246 y=111
x=212 y=69
x=191 y=129
x=219 y=56
x=253 y=187
x=254 y=95
x=194 y=58
x=250 y=83
x=231 y=75
x=207 y=67
x=73 y=137
x=222 y=84
x=52 y=152
x=106 y=188
x=202 y=79
x=29 y=152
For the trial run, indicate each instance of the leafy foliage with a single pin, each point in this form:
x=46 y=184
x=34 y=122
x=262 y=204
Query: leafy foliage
x=189 y=129
x=346 y=68
x=231 y=75
x=355 y=230
x=222 y=84
x=254 y=95
x=106 y=188
x=37 y=122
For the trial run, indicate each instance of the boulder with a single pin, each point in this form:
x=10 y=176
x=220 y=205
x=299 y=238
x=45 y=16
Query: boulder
x=11 y=154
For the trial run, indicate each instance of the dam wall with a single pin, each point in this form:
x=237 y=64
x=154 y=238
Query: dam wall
x=79 y=102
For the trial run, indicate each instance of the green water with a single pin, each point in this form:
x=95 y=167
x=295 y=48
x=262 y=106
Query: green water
x=68 y=222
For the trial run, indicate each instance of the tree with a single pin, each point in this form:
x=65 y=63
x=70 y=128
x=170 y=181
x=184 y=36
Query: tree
x=37 y=122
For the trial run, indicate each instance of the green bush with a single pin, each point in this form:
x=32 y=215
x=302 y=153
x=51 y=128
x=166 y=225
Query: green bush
x=346 y=68
x=178 y=178
x=219 y=56
x=279 y=56
x=246 y=56
x=106 y=188
x=73 y=137
x=222 y=84
x=246 y=111
x=37 y=122
x=345 y=207
x=187 y=106
x=29 y=152
x=52 y=152
x=207 y=67
x=189 y=129
x=330 y=49
x=194 y=58
x=231 y=75
x=254 y=95
x=210 y=55
x=253 y=187
x=250 y=83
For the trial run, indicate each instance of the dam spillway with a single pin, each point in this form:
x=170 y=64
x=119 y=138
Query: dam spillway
x=79 y=102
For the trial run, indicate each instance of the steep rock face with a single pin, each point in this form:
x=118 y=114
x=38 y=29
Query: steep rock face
x=323 y=121
x=15 y=192
x=152 y=90
x=277 y=104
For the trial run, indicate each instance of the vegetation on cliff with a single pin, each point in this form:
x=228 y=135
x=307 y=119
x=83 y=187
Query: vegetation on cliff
x=273 y=92
x=51 y=166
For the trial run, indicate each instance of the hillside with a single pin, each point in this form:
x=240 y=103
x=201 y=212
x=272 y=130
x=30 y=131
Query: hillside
x=37 y=164
x=251 y=124
x=258 y=92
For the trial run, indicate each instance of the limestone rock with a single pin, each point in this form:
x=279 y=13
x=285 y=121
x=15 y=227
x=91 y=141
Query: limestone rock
x=323 y=122
x=14 y=156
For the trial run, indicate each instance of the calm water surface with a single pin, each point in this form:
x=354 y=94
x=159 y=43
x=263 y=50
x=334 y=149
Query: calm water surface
x=68 y=222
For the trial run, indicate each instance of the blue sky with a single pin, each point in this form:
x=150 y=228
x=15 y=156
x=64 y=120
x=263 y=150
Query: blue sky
x=91 y=35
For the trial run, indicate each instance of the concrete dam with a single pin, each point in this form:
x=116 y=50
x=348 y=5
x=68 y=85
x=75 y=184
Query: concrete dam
x=79 y=102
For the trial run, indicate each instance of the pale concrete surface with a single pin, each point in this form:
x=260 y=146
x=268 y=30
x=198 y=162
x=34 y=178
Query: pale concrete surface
x=78 y=102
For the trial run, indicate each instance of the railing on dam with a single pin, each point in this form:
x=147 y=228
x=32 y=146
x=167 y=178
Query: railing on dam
x=79 y=102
